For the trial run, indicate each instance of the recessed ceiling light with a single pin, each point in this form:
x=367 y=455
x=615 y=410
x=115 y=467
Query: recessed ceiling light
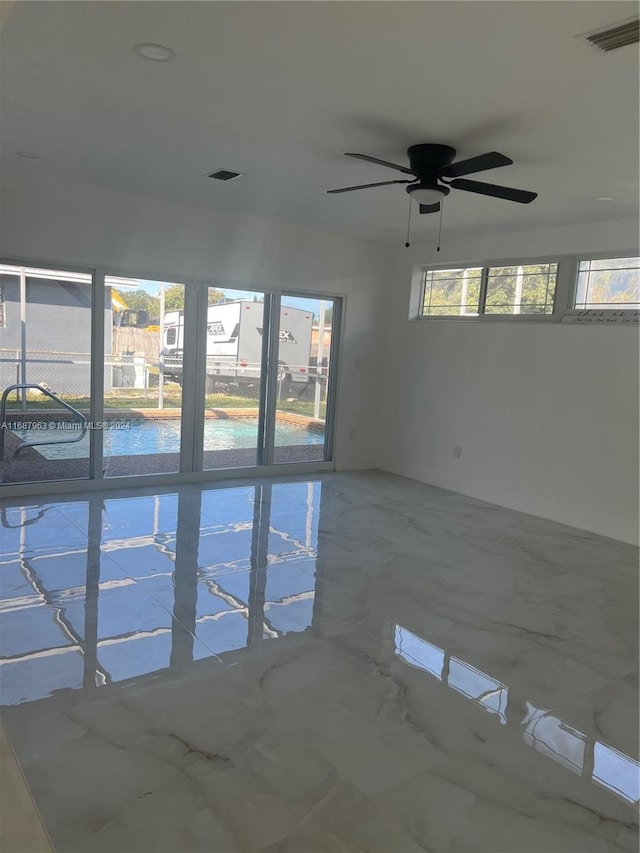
x=605 y=198
x=154 y=52
x=27 y=155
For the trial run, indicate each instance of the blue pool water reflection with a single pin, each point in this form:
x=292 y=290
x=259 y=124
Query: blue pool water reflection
x=123 y=592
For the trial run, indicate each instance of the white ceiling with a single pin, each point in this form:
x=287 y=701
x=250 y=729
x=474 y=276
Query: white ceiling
x=281 y=90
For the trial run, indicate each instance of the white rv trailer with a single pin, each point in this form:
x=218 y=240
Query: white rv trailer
x=234 y=345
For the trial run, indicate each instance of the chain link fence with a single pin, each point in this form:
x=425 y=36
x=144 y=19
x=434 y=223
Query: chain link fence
x=141 y=381
x=66 y=374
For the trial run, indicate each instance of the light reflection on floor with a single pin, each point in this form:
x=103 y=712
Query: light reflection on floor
x=545 y=732
x=131 y=592
x=352 y=663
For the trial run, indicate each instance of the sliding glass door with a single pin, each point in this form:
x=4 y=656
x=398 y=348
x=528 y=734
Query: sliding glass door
x=188 y=377
x=144 y=331
x=45 y=374
x=304 y=362
x=234 y=377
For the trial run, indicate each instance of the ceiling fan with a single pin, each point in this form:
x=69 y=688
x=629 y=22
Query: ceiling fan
x=431 y=165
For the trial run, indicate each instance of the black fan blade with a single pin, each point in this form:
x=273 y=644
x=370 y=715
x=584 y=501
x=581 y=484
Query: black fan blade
x=404 y=169
x=508 y=193
x=366 y=186
x=492 y=160
x=430 y=208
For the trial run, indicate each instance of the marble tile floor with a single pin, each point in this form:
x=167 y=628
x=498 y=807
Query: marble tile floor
x=21 y=829
x=351 y=662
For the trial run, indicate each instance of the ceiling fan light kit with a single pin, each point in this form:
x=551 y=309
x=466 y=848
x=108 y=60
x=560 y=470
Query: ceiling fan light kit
x=426 y=193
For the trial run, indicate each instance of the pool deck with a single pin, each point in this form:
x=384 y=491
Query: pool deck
x=30 y=466
x=294 y=418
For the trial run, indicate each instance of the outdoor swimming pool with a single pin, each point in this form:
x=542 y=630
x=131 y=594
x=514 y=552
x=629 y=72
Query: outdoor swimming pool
x=144 y=437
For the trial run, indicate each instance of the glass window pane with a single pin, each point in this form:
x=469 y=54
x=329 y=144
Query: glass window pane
x=526 y=289
x=304 y=358
x=143 y=376
x=453 y=292
x=611 y=264
x=608 y=283
x=235 y=329
x=45 y=341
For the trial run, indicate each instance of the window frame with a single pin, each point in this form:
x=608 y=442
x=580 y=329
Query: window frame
x=439 y=268
x=486 y=265
x=191 y=468
x=564 y=309
x=572 y=312
x=524 y=263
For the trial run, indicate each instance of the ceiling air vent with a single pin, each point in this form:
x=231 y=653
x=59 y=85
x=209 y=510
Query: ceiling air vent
x=225 y=175
x=615 y=37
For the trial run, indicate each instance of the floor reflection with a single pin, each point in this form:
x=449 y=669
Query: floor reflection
x=542 y=730
x=174 y=663
x=100 y=591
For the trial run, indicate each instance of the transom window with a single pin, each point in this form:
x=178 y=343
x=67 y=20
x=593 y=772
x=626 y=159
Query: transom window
x=453 y=292
x=526 y=289
x=609 y=283
x=472 y=291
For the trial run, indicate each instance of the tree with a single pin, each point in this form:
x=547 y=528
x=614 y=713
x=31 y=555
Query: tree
x=530 y=287
x=140 y=300
x=608 y=283
x=537 y=286
x=174 y=297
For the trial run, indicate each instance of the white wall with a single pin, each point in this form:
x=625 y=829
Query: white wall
x=60 y=222
x=546 y=414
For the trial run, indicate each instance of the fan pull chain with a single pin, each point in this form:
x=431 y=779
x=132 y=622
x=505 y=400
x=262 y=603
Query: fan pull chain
x=440 y=226
x=407 y=244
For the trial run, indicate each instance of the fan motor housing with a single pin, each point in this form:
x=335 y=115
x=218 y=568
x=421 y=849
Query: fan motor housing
x=427 y=159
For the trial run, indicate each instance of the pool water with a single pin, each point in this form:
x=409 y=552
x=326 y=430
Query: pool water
x=163 y=436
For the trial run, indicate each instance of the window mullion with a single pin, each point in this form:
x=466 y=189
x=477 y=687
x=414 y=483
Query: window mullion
x=193 y=376
x=484 y=278
x=565 y=286
x=97 y=369
x=271 y=367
